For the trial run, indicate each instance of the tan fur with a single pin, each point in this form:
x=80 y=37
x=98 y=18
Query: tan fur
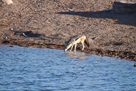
x=73 y=42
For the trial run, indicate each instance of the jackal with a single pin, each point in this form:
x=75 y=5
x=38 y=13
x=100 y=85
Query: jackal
x=76 y=39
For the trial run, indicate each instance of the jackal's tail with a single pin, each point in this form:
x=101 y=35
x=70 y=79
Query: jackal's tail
x=86 y=42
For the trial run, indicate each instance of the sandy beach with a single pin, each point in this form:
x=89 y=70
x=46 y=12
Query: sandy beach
x=49 y=24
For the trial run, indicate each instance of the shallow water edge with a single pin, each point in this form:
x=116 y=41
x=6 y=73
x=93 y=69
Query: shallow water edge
x=44 y=69
x=118 y=54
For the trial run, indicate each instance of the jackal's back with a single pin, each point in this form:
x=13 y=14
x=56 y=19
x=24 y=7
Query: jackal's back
x=73 y=39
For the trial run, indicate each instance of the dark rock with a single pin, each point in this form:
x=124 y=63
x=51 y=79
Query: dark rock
x=11 y=46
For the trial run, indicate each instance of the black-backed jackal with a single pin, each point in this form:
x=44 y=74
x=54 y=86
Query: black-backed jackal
x=76 y=39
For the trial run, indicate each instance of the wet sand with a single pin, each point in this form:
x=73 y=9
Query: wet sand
x=49 y=24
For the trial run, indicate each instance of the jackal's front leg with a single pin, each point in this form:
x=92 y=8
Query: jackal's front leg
x=68 y=47
x=71 y=48
x=75 y=47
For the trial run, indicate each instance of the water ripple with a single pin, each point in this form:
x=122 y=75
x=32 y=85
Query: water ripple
x=23 y=68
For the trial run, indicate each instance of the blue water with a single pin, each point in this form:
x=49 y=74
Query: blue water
x=23 y=68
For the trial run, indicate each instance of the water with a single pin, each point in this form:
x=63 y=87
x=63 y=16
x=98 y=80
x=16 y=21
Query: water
x=37 y=69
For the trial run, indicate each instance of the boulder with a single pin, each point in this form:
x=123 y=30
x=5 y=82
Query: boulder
x=8 y=1
x=123 y=6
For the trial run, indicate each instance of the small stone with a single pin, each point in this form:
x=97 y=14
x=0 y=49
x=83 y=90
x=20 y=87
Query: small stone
x=25 y=35
x=11 y=29
x=10 y=46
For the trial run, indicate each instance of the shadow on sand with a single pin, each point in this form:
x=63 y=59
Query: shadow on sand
x=127 y=19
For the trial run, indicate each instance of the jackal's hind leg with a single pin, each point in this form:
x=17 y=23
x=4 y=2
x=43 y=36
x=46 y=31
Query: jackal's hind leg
x=83 y=45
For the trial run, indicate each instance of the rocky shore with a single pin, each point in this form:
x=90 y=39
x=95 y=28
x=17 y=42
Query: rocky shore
x=49 y=24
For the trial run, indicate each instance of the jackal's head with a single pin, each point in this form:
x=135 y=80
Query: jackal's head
x=67 y=45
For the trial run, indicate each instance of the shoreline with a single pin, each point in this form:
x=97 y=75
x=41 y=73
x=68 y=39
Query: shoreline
x=116 y=54
x=50 y=23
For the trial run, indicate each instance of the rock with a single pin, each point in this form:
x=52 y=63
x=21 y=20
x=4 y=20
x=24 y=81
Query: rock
x=25 y=35
x=11 y=46
x=134 y=65
x=70 y=10
x=8 y=1
x=122 y=6
x=93 y=38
